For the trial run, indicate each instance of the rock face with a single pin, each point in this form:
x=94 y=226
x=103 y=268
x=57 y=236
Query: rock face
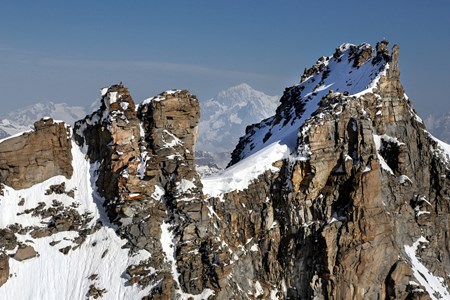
x=342 y=194
x=4 y=269
x=26 y=160
x=147 y=176
x=370 y=182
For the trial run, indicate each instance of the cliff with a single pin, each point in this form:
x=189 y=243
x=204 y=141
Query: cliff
x=36 y=156
x=342 y=194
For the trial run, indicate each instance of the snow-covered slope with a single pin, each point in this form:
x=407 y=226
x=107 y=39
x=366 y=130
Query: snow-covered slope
x=247 y=232
x=224 y=118
x=337 y=75
x=23 y=119
x=284 y=134
x=276 y=137
x=99 y=260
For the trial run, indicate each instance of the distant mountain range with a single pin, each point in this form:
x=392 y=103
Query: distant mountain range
x=225 y=117
x=23 y=119
x=340 y=194
x=223 y=121
x=439 y=126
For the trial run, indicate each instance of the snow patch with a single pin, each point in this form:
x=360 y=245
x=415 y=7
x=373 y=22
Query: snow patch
x=160 y=97
x=158 y=193
x=444 y=147
x=142 y=167
x=434 y=285
x=258 y=289
x=274 y=294
x=168 y=246
x=383 y=164
x=240 y=175
x=112 y=97
x=124 y=105
x=185 y=185
x=174 y=142
x=403 y=178
x=254 y=248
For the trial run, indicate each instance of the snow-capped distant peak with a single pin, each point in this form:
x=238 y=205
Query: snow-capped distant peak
x=242 y=88
x=439 y=126
x=23 y=119
x=225 y=116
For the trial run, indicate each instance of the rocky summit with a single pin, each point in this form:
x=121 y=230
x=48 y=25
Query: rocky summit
x=341 y=194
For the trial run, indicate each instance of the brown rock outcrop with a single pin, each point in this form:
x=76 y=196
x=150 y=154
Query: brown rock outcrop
x=362 y=55
x=8 y=240
x=333 y=225
x=148 y=178
x=24 y=253
x=360 y=202
x=4 y=268
x=374 y=182
x=26 y=160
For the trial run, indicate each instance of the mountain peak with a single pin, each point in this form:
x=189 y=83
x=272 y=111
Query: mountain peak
x=237 y=93
x=22 y=119
x=225 y=117
x=242 y=86
x=352 y=71
x=342 y=193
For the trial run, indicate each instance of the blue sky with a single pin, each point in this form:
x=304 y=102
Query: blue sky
x=65 y=51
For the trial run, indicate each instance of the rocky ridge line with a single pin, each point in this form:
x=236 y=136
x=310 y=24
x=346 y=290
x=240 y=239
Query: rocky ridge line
x=147 y=176
x=356 y=208
x=368 y=181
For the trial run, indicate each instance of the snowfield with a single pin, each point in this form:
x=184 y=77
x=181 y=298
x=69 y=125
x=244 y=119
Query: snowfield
x=435 y=286
x=240 y=175
x=53 y=275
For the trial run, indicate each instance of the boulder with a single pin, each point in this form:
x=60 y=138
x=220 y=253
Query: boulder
x=24 y=252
